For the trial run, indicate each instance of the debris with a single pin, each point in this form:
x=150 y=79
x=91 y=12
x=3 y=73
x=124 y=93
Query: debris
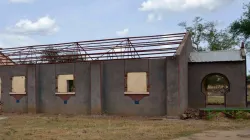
x=184 y=117
x=190 y=114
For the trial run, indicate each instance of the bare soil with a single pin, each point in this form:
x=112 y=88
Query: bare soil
x=61 y=127
x=220 y=135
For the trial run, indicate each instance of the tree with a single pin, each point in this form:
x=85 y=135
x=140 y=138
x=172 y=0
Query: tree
x=220 y=40
x=205 y=36
x=241 y=28
x=197 y=31
x=248 y=77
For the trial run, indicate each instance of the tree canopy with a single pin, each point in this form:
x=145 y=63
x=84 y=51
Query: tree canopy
x=206 y=36
x=240 y=28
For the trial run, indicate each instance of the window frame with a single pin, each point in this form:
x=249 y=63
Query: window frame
x=126 y=92
x=12 y=84
x=66 y=80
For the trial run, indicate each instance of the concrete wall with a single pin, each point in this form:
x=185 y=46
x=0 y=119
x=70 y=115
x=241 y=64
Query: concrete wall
x=54 y=104
x=10 y=105
x=116 y=103
x=234 y=71
x=99 y=88
x=183 y=58
x=172 y=85
x=177 y=78
x=96 y=101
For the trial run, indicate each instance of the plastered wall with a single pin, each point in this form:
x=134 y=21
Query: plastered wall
x=51 y=103
x=234 y=71
x=100 y=87
x=115 y=103
x=9 y=101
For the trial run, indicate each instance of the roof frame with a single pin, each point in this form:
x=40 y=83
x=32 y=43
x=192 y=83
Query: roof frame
x=155 y=46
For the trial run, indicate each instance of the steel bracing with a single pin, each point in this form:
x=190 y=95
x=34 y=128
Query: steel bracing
x=156 y=46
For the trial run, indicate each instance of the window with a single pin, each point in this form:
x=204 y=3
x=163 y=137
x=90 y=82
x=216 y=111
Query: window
x=137 y=83
x=65 y=84
x=70 y=84
x=18 y=85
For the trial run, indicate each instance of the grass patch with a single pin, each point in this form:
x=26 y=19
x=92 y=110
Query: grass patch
x=219 y=99
x=215 y=100
x=41 y=127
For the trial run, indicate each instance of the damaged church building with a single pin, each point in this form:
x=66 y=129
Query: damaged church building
x=160 y=75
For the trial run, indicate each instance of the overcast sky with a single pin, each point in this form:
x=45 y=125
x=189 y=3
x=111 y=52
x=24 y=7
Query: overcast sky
x=29 y=22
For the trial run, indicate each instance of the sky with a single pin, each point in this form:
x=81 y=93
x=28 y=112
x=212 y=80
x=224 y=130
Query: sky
x=31 y=22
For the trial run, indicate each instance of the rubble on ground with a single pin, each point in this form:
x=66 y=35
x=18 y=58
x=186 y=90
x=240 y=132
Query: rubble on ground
x=190 y=114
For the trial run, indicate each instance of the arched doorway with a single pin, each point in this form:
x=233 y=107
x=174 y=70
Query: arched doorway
x=215 y=86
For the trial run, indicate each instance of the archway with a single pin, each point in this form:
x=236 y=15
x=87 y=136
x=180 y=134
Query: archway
x=215 y=86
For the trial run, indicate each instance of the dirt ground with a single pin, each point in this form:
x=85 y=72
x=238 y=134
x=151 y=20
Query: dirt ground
x=60 y=127
x=220 y=135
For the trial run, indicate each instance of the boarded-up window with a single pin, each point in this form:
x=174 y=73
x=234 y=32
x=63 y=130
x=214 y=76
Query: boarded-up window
x=18 y=85
x=65 y=84
x=137 y=83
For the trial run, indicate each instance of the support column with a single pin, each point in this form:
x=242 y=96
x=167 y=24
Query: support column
x=173 y=101
x=32 y=91
x=96 y=88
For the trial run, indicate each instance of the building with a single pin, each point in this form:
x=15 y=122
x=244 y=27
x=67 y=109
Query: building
x=150 y=76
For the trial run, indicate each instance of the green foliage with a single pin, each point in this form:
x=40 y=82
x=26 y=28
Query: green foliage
x=207 y=33
x=197 y=31
x=221 y=40
x=248 y=77
x=241 y=115
x=232 y=114
x=212 y=115
x=241 y=28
